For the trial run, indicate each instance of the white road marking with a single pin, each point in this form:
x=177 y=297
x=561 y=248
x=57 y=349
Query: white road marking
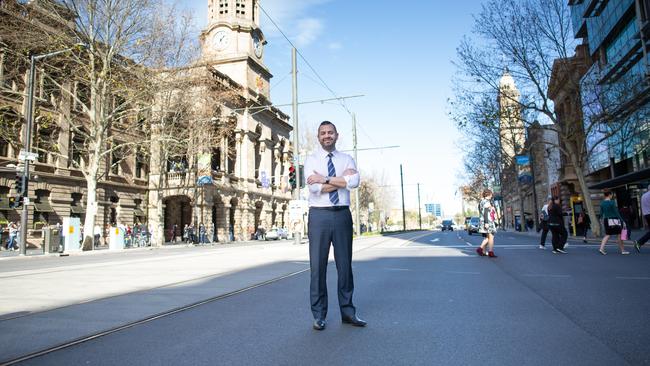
x=397 y=269
x=546 y=275
x=434 y=240
x=461 y=272
x=469 y=244
x=632 y=278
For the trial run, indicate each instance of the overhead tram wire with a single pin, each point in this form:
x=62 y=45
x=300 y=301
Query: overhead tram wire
x=341 y=100
x=304 y=58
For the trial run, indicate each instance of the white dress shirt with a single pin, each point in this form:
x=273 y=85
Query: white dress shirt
x=317 y=162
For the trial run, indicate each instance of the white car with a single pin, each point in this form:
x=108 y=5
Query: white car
x=272 y=234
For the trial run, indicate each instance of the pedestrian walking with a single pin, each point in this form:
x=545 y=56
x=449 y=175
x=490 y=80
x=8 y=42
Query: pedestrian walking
x=645 y=211
x=186 y=233
x=543 y=221
x=487 y=224
x=174 y=229
x=583 y=225
x=612 y=221
x=556 y=225
x=203 y=238
x=13 y=237
x=331 y=175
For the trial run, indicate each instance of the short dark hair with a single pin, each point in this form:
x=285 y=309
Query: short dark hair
x=607 y=192
x=486 y=193
x=325 y=123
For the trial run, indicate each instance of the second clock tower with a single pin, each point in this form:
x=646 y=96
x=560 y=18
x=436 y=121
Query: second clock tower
x=234 y=43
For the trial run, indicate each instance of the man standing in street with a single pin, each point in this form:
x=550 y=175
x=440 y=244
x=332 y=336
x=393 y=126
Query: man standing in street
x=544 y=223
x=645 y=210
x=331 y=175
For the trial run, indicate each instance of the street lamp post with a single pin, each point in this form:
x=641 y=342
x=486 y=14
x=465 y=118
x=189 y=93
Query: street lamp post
x=28 y=141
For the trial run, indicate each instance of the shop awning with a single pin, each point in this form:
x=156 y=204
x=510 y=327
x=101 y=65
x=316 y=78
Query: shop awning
x=639 y=176
x=138 y=212
x=77 y=209
x=43 y=207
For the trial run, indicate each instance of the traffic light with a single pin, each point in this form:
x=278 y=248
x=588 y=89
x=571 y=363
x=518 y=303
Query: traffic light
x=15 y=202
x=18 y=184
x=292 y=176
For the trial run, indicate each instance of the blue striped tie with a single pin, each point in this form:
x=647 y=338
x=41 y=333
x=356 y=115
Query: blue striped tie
x=334 y=195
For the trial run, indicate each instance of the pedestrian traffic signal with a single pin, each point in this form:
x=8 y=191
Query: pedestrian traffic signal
x=292 y=176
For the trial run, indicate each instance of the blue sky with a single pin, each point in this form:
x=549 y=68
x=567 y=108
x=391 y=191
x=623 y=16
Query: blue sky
x=399 y=55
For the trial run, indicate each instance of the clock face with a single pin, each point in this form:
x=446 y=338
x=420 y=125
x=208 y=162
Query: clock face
x=220 y=40
x=257 y=46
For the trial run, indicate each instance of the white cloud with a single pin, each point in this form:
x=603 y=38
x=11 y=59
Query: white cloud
x=307 y=31
x=292 y=17
x=335 y=46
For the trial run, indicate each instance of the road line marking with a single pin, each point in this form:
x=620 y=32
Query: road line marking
x=633 y=278
x=546 y=275
x=397 y=269
x=434 y=240
x=461 y=272
x=468 y=243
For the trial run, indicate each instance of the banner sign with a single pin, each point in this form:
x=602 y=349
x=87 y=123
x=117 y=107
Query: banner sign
x=524 y=171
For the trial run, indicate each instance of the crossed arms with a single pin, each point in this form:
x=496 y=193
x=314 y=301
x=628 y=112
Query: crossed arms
x=335 y=182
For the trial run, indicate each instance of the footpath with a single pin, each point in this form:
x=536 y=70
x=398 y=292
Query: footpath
x=45 y=302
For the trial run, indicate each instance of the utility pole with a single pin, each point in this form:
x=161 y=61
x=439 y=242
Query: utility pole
x=401 y=177
x=357 y=220
x=419 y=208
x=28 y=148
x=296 y=150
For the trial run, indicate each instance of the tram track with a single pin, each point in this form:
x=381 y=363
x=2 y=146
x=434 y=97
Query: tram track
x=167 y=313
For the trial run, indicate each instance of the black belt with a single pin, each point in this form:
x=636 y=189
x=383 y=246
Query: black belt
x=331 y=208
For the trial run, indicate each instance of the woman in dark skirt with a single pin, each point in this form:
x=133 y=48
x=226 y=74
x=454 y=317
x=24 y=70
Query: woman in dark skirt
x=556 y=225
x=612 y=221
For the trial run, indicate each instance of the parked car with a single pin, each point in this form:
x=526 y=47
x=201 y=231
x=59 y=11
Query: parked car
x=447 y=225
x=272 y=234
x=472 y=225
x=283 y=233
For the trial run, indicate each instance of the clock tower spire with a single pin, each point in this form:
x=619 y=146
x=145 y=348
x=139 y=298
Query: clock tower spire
x=234 y=43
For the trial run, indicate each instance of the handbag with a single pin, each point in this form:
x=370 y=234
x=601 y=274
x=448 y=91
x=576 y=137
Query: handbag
x=624 y=234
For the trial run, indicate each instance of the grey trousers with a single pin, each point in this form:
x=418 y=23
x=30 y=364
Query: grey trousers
x=330 y=227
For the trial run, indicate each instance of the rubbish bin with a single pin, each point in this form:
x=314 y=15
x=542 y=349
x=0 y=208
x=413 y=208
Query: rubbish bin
x=51 y=240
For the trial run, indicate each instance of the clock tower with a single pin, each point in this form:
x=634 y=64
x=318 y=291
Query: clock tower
x=234 y=43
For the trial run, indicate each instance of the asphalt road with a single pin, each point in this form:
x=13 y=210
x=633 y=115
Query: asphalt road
x=429 y=301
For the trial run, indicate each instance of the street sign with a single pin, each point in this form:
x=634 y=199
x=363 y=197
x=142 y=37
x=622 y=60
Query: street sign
x=297 y=209
x=428 y=207
x=24 y=155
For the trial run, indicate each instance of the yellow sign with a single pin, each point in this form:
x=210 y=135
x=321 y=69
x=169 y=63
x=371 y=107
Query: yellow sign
x=71 y=230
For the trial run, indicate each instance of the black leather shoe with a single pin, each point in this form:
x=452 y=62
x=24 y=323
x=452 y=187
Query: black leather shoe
x=354 y=320
x=319 y=324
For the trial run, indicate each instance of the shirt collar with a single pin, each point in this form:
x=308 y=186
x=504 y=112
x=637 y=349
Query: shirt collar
x=323 y=153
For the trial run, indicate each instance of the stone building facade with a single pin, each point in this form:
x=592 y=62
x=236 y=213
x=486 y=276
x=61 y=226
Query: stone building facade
x=248 y=168
x=250 y=165
x=56 y=188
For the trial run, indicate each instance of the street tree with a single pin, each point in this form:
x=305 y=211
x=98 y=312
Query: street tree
x=533 y=40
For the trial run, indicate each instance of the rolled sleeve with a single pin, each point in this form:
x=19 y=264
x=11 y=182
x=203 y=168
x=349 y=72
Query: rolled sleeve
x=352 y=181
x=315 y=188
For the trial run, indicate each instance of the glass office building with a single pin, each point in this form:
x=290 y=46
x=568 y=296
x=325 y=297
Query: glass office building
x=615 y=90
